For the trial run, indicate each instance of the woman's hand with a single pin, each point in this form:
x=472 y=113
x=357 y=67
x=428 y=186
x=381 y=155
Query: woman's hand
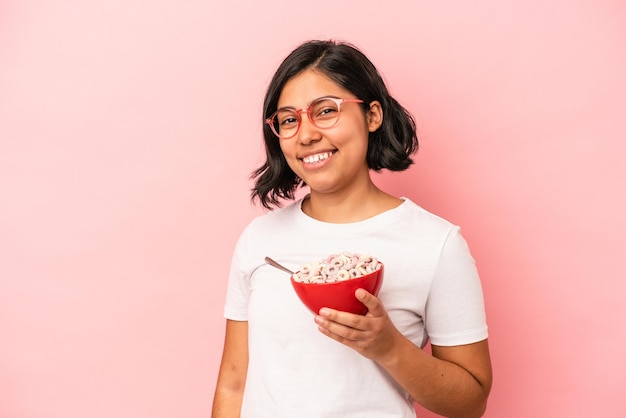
x=372 y=335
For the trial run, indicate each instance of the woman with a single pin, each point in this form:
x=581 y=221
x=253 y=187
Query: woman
x=278 y=361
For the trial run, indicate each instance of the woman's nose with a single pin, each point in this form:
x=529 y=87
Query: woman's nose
x=308 y=132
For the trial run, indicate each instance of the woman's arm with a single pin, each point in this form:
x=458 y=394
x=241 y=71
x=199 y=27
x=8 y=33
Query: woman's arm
x=453 y=382
x=233 y=370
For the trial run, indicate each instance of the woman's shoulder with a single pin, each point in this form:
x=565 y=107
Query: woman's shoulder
x=278 y=217
x=422 y=214
x=267 y=230
x=417 y=218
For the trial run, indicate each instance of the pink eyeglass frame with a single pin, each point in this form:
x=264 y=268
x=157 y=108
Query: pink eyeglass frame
x=298 y=112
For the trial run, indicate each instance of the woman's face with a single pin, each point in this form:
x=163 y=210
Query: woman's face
x=328 y=160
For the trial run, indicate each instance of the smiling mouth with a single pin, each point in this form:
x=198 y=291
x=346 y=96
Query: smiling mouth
x=317 y=158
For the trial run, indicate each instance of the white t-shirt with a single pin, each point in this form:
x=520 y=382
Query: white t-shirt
x=431 y=290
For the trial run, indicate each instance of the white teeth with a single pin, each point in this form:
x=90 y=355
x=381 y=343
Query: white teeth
x=317 y=157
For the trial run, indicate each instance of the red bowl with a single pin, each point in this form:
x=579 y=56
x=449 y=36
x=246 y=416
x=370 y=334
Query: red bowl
x=339 y=295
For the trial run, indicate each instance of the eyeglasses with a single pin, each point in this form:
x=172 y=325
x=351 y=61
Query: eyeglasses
x=323 y=113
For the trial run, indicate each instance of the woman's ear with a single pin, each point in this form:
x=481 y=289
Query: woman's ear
x=374 y=116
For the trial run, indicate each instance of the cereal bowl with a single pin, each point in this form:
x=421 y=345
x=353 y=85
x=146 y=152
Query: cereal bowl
x=339 y=295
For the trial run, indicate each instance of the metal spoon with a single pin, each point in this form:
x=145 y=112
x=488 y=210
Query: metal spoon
x=278 y=266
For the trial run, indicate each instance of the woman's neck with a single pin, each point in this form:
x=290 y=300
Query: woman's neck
x=349 y=206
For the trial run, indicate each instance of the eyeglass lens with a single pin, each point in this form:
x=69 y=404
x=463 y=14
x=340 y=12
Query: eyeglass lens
x=323 y=113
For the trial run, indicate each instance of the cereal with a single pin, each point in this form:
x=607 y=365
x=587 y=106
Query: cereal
x=337 y=268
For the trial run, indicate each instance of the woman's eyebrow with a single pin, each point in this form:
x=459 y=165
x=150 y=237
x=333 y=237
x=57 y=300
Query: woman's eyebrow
x=308 y=104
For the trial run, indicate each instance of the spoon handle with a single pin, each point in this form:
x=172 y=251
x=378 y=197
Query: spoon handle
x=278 y=266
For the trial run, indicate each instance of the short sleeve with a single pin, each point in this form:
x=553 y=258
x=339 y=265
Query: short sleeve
x=455 y=312
x=238 y=290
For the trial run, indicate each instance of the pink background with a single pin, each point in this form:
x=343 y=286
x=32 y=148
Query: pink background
x=128 y=130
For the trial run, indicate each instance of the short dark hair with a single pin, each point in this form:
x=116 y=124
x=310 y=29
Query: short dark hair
x=389 y=147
